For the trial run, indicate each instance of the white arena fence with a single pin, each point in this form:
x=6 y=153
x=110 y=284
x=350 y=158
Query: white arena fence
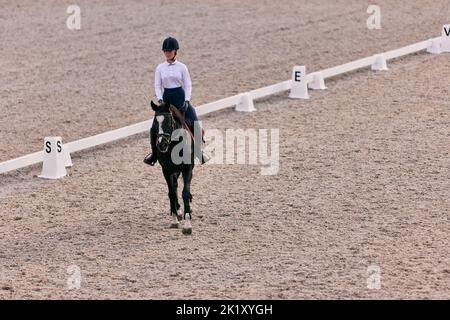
x=243 y=102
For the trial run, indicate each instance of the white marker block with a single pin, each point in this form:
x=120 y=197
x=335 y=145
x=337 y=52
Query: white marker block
x=53 y=166
x=435 y=46
x=299 y=89
x=446 y=38
x=380 y=63
x=318 y=82
x=245 y=103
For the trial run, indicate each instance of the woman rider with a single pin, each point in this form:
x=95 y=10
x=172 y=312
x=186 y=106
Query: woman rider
x=172 y=85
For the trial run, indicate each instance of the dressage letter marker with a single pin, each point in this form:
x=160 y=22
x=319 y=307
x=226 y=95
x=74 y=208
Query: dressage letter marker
x=446 y=38
x=53 y=166
x=299 y=89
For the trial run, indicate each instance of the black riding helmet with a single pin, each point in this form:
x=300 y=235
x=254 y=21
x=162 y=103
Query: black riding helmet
x=170 y=44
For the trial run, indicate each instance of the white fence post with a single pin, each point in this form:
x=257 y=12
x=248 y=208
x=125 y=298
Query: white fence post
x=245 y=103
x=380 y=63
x=66 y=155
x=318 y=82
x=435 y=46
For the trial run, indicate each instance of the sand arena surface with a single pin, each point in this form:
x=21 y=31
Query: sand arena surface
x=363 y=174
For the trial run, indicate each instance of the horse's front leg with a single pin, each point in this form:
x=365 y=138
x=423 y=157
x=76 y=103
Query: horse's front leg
x=177 y=204
x=171 y=186
x=187 y=198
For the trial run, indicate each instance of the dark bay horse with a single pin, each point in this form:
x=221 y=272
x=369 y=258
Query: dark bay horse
x=175 y=152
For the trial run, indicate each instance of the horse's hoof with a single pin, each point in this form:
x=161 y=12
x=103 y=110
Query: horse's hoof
x=187 y=231
x=180 y=217
x=174 y=226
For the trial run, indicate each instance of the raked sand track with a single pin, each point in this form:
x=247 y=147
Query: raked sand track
x=364 y=165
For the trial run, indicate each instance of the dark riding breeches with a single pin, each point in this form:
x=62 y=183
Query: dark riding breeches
x=175 y=96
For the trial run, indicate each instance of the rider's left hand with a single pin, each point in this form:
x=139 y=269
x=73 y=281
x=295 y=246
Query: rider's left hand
x=186 y=105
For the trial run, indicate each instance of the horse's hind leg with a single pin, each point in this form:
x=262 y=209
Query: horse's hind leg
x=171 y=179
x=187 y=198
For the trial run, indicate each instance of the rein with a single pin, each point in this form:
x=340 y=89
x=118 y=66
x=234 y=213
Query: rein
x=180 y=117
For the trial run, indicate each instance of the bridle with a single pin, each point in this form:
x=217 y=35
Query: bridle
x=167 y=137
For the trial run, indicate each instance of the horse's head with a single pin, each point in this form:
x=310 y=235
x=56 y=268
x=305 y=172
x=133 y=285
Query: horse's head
x=166 y=124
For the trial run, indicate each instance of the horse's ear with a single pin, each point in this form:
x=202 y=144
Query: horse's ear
x=154 y=106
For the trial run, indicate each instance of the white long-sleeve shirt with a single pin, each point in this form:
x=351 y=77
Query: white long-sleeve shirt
x=172 y=75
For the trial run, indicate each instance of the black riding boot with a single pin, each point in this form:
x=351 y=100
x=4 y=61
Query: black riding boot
x=151 y=158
